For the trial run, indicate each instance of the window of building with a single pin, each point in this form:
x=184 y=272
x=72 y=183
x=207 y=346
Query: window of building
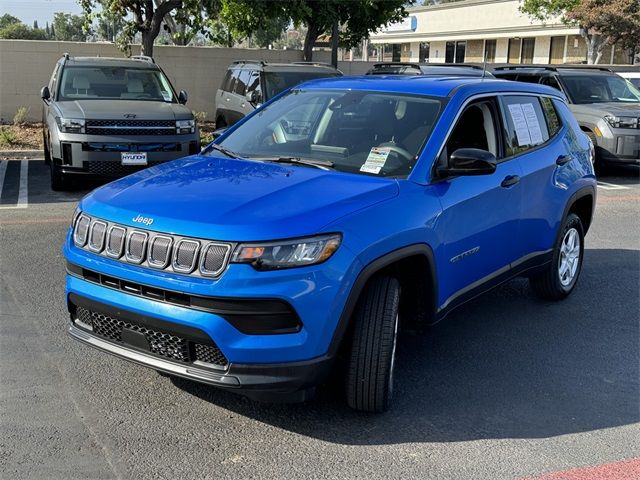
x=423 y=55
x=450 y=52
x=490 y=51
x=556 y=52
x=513 y=55
x=461 y=48
x=392 y=52
x=526 y=51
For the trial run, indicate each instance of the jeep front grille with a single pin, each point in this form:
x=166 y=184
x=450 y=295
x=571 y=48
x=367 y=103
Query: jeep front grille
x=130 y=127
x=165 y=344
x=187 y=256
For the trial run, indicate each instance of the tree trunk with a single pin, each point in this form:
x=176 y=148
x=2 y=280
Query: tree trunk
x=595 y=46
x=147 y=43
x=334 y=44
x=309 y=41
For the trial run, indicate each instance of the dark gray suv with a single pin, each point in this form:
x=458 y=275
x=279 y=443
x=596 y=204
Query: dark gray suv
x=108 y=117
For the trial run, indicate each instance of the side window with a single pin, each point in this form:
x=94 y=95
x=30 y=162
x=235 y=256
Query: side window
x=254 y=85
x=553 y=119
x=241 y=82
x=551 y=81
x=524 y=122
x=477 y=127
x=226 y=83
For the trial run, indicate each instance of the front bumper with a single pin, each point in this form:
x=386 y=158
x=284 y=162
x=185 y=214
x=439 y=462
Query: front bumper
x=619 y=145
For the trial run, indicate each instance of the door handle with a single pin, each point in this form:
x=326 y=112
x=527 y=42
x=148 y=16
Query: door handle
x=510 y=181
x=563 y=159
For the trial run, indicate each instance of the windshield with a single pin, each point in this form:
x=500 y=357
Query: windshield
x=600 y=89
x=276 y=82
x=109 y=83
x=369 y=133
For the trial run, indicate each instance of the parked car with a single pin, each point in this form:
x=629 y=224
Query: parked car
x=411 y=68
x=606 y=107
x=108 y=117
x=309 y=231
x=247 y=84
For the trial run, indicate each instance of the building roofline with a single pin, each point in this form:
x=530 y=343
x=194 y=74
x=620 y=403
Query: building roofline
x=445 y=6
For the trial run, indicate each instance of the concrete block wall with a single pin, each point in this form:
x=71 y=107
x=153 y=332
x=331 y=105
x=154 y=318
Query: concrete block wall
x=26 y=66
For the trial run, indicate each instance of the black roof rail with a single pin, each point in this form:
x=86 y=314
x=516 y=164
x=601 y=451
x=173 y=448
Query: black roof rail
x=238 y=62
x=397 y=64
x=319 y=64
x=552 y=68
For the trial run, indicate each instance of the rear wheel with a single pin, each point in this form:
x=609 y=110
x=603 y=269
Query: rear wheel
x=373 y=348
x=558 y=280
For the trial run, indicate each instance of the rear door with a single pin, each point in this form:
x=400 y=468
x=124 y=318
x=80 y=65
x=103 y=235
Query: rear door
x=480 y=220
x=545 y=158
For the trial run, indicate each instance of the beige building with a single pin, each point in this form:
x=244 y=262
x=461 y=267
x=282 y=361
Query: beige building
x=471 y=30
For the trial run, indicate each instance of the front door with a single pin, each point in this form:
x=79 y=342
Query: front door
x=480 y=218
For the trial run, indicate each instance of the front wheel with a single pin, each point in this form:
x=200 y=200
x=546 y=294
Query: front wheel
x=373 y=348
x=558 y=280
x=59 y=182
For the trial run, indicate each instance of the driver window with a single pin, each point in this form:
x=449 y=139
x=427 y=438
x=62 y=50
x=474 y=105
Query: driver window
x=476 y=128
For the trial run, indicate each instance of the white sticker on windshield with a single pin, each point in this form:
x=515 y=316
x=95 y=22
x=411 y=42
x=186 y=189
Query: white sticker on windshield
x=522 y=131
x=532 y=123
x=376 y=160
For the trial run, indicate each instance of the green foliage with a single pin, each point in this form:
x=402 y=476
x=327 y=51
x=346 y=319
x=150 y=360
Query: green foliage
x=20 y=31
x=109 y=25
x=6 y=20
x=546 y=9
x=7 y=137
x=69 y=28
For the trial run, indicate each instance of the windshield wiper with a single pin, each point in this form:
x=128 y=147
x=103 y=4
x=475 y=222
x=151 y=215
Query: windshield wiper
x=321 y=164
x=226 y=151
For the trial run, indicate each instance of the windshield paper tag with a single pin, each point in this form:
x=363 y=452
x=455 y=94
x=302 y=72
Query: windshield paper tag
x=376 y=160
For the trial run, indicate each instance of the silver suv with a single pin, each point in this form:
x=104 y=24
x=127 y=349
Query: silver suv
x=606 y=106
x=108 y=117
x=248 y=84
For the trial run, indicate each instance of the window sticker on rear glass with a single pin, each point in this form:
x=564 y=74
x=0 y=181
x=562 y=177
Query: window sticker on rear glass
x=526 y=123
x=376 y=160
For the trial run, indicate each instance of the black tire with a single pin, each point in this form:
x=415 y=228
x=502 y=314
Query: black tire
x=47 y=154
x=548 y=284
x=59 y=182
x=371 y=360
x=220 y=122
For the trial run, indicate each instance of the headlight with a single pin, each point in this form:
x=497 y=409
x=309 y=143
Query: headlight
x=185 y=126
x=622 y=122
x=70 y=125
x=287 y=254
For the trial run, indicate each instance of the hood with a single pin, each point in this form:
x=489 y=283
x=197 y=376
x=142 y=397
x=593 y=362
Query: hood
x=115 y=109
x=609 y=108
x=236 y=200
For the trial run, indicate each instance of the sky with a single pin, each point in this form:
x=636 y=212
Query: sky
x=40 y=10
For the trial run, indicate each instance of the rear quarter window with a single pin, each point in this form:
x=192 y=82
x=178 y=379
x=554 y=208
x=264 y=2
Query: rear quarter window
x=525 y=124
x=554 y=124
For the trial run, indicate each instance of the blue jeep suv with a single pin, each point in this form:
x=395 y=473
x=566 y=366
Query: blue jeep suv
x=311 y=229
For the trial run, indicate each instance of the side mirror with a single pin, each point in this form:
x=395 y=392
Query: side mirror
x=252 y=97
x=469 y=161
x=183 y=97
x=45 y=94
x=218 y=132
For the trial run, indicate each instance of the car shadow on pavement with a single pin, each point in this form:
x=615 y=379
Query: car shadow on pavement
x=506 y=365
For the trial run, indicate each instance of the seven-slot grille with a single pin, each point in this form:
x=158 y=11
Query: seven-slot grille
x=151 y=249
x=130 y=127
x=163 y=344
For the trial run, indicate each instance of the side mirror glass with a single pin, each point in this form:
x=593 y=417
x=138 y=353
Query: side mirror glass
x=45 y=94
x=183 y=97
x=469 y=161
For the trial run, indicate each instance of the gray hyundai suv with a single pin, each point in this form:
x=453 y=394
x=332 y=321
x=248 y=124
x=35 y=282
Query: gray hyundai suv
x=108 y=117
x=606 y=106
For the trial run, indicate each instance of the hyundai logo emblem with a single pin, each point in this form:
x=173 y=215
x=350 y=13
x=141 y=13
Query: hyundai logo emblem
x=129 y=115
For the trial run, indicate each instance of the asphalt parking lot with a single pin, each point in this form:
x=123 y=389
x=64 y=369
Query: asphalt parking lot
x=507 y=387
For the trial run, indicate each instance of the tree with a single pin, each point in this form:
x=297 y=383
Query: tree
x=109 y=26
x=6 y=20
x=146 y=16
x=35 y=25
x=601 y=22
x=359 y=17
x=69 y=28
x=20 y=31
x=47 y=30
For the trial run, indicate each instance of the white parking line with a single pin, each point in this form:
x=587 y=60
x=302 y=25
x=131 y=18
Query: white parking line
x=611 y=186
x=23 y=193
